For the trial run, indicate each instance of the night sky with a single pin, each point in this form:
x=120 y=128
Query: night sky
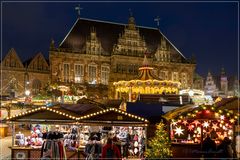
x=207 y=30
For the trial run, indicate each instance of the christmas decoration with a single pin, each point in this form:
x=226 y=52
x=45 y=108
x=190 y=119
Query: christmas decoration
x=205 y=124
x=179 y=131
x=159 y=145
x=214 y=126
x=200 y=121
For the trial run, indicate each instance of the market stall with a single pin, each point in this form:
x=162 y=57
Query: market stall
x=190 y=124
x=75 y=126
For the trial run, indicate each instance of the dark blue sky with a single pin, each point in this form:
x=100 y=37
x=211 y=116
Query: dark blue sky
x=207 y=30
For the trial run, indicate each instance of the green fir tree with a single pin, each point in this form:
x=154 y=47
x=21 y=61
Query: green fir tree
x=159 y=146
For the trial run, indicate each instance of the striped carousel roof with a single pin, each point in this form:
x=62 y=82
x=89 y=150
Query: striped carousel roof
x=145 y=72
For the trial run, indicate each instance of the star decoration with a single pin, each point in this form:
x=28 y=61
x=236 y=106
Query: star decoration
x=214 y=126
x=179 y=131
x=185 y=122
x=205 y=124
x=232 y=120
x=190 y=127
x=174 y=123
x=222 y=117
x=196 y=122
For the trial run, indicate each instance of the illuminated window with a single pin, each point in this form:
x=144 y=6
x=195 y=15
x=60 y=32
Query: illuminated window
x=36 y=86
x=163 y=75
x=66 y=72
x=92 y=74
x=104 y=74
x=79 y=73
x=184 y=80
x=175 y=76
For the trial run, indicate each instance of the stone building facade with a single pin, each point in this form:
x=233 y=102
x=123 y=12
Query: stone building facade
x=221 y=85
x=94 y=54
x=17 y=77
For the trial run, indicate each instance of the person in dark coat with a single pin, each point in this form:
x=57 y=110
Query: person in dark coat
x=225 y=148
x=209 y=147
x=110 y=151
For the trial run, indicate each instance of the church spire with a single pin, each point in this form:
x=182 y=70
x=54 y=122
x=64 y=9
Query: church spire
x=52 y=44
x=223 y=73
x=131 y=20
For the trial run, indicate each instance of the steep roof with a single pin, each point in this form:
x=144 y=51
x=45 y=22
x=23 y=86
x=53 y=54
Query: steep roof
x=12 y=56
x=108 y=34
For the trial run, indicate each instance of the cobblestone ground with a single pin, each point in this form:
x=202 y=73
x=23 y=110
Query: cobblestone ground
x=5 y=151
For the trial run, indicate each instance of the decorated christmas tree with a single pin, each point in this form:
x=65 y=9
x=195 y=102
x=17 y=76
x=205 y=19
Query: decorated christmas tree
x=159 y=145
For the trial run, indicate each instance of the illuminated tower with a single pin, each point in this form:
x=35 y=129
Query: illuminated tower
x=210 y=86
x=224 y=82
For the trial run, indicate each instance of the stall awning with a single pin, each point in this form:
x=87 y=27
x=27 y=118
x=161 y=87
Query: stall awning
x=90 y=116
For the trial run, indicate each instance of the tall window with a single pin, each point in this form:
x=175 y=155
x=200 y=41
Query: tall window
x=92 y=74
x=184 y=80
x=36 y=86
x=79 y=73
x=163 y=75
x=104 y=75
x=66 y=72
x=175 y=76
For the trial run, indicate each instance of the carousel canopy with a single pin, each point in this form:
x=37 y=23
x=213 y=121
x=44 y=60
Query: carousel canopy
x=147 y=83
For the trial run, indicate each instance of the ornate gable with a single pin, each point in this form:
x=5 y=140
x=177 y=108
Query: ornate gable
x=38 y=63
x=163 y=53
x=130 y=42
x=93 y=45
x=118 y=39
x=12 y=60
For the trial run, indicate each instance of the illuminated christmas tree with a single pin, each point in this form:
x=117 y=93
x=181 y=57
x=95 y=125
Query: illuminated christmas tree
x=159 y=145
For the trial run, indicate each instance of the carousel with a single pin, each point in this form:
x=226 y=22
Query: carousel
x=145 y=83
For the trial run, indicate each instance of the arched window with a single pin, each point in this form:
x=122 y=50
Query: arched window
x=36 y=86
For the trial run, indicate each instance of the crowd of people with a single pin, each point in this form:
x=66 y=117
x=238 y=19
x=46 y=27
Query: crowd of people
x=224 y=150
x=94 y=150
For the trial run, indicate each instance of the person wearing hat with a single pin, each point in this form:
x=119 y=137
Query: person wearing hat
x=93 y=149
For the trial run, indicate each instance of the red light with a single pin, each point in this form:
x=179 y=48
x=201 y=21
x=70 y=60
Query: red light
x=207 y=111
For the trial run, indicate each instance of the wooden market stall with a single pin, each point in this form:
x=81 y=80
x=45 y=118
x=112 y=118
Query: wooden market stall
x=190 y=124
x=84 y=119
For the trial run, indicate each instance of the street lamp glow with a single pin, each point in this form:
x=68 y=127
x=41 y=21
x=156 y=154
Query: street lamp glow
x=27 y=92
x=190 y=93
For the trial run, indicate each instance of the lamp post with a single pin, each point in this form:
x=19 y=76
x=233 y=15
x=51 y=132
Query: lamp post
x=27 y=93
